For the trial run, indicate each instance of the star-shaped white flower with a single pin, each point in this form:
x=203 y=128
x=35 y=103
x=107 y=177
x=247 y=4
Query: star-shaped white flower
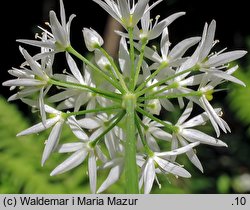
x=57 y=40
x=31 y=80
x=186 y=133
x=159 y=163
x=126 y=14
x=56 y=121
x=81 y=150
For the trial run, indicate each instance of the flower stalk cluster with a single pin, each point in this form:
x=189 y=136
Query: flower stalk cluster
x=116 y=120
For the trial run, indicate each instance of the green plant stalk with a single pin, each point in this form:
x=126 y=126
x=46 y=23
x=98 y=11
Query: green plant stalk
x=132 y=58
x=139 y=64
x=167 y=125
x=157 y=71
x=139 y=123
x=117 y=119
x=106 y=94
x=105 y=109
x=170 y=96
x=71 y=50
x=163 y=81
x=131 y=173
x=121 y=80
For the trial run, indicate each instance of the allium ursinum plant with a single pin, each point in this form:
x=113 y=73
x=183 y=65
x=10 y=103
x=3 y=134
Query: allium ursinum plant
x=116 y=120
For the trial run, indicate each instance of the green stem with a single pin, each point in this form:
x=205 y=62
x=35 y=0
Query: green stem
x=163 y=81
x=167 y=125
x=171 y=86
x=139 y=123
x=106 y=94
x=132 y=57
x=71 y=50
x=102 y=109
x=131 y=173
x=117 y=119
x=139 y=64
x=157 y=71
x=117 y=72
x=193 y=93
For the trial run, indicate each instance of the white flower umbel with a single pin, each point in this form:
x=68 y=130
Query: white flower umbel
x=121 y=111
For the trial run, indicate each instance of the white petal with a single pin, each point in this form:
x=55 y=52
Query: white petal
x=172 y=168
x=180 y=49
x=178 y=151
x=149 y=175
x=160 y=134
x=108 y=10
x=51 y=110
x=74 y=160
x=225 y=58
x=191 y=154
x=34 y=66
x=124 y=58
x=62 y=95
x=47 y=44
x=70 y=147
x=158 y=29
x=41 y=106
x=39 y=127
x=152 y=142
x=149 y=53
x=110 y=142
x=124 y=10
x=62 y=13
x=96 y=134
x=186 y=113
x=92 y=171
x=213 y=116
x=76 y=129
x=57 y=30
x=52 y=141
x=208 y=42
x=74 y=69
x=195 y=135
x=174 y=145
x=165 y=43
x=23 y=82
x=139 y=11
x=167 y=105
x=113 y=176
x=227 y=77
x=89 y=123
x=196 y=121
x=100 y=154
x=81 y=99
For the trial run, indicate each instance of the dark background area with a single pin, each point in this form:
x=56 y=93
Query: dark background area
x=233 y=28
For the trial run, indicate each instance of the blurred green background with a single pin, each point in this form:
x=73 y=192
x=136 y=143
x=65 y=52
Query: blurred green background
x=226 y=170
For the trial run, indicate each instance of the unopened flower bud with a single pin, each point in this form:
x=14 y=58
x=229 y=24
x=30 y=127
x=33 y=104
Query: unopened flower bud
x=92 y=39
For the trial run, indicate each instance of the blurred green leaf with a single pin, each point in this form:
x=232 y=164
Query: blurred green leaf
x=223 y=183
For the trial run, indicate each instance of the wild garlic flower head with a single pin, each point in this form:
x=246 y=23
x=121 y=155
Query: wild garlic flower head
x=118 y=110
